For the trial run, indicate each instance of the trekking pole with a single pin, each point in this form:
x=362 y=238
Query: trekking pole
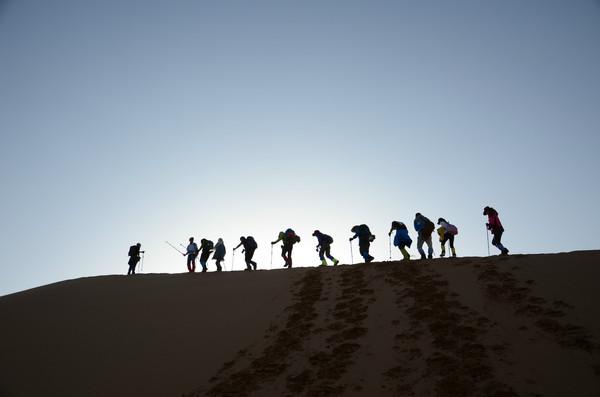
x=488 y=239
x=142 y=263
x=232 y=256
x=175 y=248
x=351 y=255
x=271 y=256
x=390 y=241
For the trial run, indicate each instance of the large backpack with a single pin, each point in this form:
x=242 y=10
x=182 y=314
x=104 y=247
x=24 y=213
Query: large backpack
x=132 y=250
x=327 y=239
x=365 y=232
x=291 y=237
x=251 y=242
x=452 y=229
x=209 y=244
x=428 y=228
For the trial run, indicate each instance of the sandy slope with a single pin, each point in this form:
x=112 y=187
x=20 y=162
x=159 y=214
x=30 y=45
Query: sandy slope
x=498 y=326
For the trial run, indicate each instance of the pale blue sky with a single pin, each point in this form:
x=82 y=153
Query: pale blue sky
x=147 y=121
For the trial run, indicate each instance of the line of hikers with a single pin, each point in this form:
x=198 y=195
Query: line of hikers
x=422 y=225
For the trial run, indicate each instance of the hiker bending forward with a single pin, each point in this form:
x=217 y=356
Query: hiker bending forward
x=206 y=247
x=249 y=247
x=324 y=247
x=496 y=228
x=134 y=257
x=401 y=239
x=365 y=237
x=424 y=228
x=289 y=238
x=447 y=231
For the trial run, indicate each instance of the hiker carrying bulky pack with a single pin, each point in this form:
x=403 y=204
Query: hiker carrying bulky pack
x=424 y=228
x=219 y=254
x=249 y=247
x=324 y=247
x=364 y=240
x=496 y=228
x=192 y=253
x=401 y=239
x=134 y=257
x=289 y=238
x=447 y=231
x=206 y=247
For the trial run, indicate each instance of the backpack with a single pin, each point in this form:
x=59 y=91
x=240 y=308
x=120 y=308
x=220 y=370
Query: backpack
x=132 y=250
x=398 y=225
x=365 y=232
x=209 y=244
x=327 y=239
x=452 y=229
x=290 y=236
x=251 y=242
x=428 y=228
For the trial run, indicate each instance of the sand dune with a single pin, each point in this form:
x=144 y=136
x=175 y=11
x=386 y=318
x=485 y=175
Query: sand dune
x=524 y=325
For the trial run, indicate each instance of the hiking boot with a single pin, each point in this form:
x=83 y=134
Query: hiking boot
x=454 y=255
x=430 y=256
x=443 y=254
x=370 y=259
x=504 y=252
x=335 y=262
x=423 y=256
x=254 y=266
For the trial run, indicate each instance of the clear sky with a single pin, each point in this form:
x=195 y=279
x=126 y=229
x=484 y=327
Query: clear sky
x=145 y=121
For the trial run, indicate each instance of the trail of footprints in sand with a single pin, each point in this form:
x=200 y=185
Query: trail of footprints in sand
x=340 y=334
x=454 y=360
x=304 y=370
x=442 y=351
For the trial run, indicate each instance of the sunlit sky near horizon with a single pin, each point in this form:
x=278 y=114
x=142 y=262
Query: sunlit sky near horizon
x=153 y=121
